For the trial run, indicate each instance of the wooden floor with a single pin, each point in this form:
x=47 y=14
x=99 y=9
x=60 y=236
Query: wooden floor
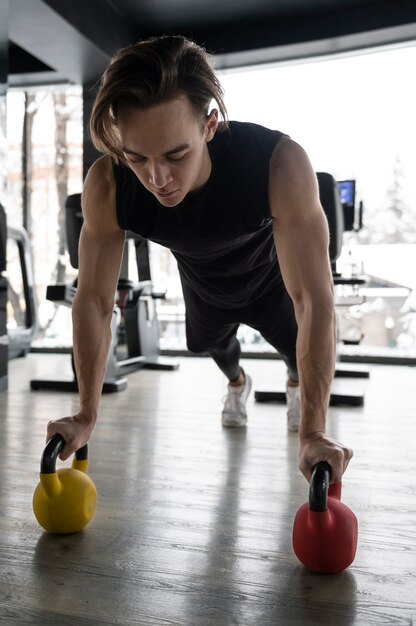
x=194 y=522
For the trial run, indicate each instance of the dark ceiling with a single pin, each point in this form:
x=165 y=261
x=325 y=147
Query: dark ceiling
x=73 y=40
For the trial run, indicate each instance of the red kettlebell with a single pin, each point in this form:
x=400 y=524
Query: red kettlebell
x=325 y=530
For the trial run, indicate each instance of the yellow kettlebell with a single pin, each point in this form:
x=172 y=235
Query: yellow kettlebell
x=65 y=500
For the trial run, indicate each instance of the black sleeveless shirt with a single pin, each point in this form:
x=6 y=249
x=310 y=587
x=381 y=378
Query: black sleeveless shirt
x=220 y=235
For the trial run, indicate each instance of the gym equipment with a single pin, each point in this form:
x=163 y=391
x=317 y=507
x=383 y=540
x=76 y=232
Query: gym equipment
x=4 y=340
x=21 y=292
x=17 y=290
x=329 y=196
x=65 y=500
x=325 y=530
x=134 y=325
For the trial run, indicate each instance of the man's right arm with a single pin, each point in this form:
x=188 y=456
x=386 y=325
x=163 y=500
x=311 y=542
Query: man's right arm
x=100 y=252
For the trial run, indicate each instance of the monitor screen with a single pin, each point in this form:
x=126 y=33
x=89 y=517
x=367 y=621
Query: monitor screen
x=346 y=190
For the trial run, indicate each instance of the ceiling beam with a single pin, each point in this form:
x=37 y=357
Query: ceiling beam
x=98 y=21
x=371 y=23
x=77 y=42
x=346 y=44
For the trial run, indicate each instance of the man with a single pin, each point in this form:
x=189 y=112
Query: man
x=238 y=206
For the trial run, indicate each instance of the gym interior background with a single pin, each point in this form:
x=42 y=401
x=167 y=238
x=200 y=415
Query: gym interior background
x=48 y=152
x=337 y=75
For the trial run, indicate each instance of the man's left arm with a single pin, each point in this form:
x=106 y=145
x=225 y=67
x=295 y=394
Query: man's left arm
x=301 y=238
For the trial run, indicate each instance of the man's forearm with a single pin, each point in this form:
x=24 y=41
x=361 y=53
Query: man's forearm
x=316 y=363
x=91 y=342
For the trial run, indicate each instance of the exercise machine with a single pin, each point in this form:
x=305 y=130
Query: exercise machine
x=4 y=341
x=22 y=327
x=338 y=214
x=18 y=316
x=135 y=325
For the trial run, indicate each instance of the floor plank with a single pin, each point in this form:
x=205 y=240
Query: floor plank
x=194 y=522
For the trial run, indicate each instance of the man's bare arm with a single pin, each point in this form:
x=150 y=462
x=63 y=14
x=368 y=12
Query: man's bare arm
x=100 y=253
x=301 y=238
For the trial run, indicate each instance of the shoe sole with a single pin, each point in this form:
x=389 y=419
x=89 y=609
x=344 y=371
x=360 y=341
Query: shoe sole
x=234 y=424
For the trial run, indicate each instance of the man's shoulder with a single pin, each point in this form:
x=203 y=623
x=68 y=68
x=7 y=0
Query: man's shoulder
x=101 y=173
x=288 y=154
x=247 y=134
x=236 y=127
x=98 y=194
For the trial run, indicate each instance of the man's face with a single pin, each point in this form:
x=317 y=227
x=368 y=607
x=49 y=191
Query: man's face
x=165 y=146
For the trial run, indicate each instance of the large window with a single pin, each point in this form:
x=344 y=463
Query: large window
x=44 y=130
x=354 y=115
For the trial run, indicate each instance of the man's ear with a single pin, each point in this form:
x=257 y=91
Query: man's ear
x=211 y=125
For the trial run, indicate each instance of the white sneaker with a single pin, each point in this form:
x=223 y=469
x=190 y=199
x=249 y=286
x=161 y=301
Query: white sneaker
x=293 y=407
x=234 y=413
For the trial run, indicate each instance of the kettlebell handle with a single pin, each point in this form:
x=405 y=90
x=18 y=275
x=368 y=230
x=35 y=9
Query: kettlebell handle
x=51 y=451
x=318 y=488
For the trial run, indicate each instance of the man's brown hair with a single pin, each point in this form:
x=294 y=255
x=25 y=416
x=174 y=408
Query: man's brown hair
x=148 y=73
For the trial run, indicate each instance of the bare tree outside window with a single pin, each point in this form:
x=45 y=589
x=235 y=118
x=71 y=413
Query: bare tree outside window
x=51 y=168
x=62 y=114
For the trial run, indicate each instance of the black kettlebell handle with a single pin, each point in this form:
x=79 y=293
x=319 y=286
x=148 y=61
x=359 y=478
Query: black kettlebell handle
x=51 y=451
x=318 y=488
